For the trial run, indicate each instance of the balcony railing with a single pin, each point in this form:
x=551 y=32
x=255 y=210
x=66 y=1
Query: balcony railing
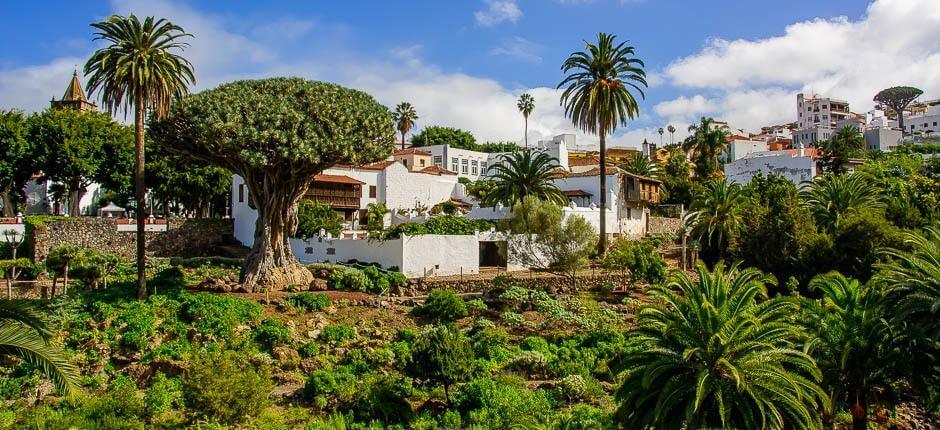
x=334 y=201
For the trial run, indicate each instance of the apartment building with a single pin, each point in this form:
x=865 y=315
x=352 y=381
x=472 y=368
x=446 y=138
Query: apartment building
x=818 y=118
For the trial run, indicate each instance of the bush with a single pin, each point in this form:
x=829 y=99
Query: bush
x=164 y=395
x=331 y=387
x=309 y=349
x=501 y=403
x=337 y=333
x=140 y=325
x=379 y=280
x=638 y=258
x=350 y=279
x=217 y=316
x=272 y=333
x=311 y=217
x=309 y=302
x=442 y=306
x=225 y=387
x=442 y=354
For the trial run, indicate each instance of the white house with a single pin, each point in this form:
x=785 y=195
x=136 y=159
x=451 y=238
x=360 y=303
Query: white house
x=473 y=164
x=797 y=165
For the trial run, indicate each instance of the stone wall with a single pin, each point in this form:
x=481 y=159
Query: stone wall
x=659 y=225
x=184 y=238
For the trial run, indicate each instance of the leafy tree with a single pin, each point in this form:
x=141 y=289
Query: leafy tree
x=526 y=105
x=479 y=189
x=520 y=174
x=707 y=142
x=846 y=143
x=598 y=98
x=192 y=186
x=638 y=258
x=437 y=135
x=542 y=240
x=639 y=164
x=661 y=131
x=831 y=197
x=442 y=354
x=141 y=67
x=905 y=180
x=717 y=217
x=375 y=217
x=715 y=352
x=898 y=98
x=677 y=182
x=404 y=117
x=858 y=239
x=312 y=217
x=74 y=147
x=851 y=342
x=309 y=126
x=16 y=160
x=25 y=334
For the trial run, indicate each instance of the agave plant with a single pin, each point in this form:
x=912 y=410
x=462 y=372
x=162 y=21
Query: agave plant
x=716 y=352
x=25 y=335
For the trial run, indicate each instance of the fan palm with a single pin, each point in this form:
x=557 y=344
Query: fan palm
x=520 y=174
x=672 y=131
x=526 y=105
x=661 y=131
x=913 y=280
x=598 y=98
x=851 y=342
x=716 y=352
x=717 y=214
x=24 y=334
x=140 y=67
x=705 y=145
x=404 y=117
x=639 y=164
x=831 y=197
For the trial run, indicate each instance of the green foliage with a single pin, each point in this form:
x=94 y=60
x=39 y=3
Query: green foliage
x=312 y=217
x=479 y=189
x=226 y=387
x=442 y=306
x=832 y=197
x=309 y=302
x=375 y=217
x=337 y=333
x=442 y=224
x=272 y=333
x=350 y=279
x=542 y=240
x=446 y=207
x=857 y=241
x=192 y=184
x=639 y=164
x=437 y=135
x=217 y=316
x=164 y=395
x=846 y=143
x=700 y=341
x=502 y=403
x=521 y=174
x=707 y=142
x=25 y=334
x=17 y=160
x=443 y=355
x=638 y=258
x=717 y=217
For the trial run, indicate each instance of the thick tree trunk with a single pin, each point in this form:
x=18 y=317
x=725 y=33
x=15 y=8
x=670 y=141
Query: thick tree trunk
x=140 y=193
x=901 y=120
x=270 y=263
x=8 y=207
x=602 y=242
x=860 y=411
x=76 y=192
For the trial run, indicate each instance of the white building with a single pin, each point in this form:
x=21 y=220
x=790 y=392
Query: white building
x=925 y=121
x=818 y=118
x=882 y=139
x=473 y=164
x=740 y=148
x=797 y=165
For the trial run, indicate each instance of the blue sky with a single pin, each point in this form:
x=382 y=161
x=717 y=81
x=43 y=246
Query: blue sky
x=462 y=63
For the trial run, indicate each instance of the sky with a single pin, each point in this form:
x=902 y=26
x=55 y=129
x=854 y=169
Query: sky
x=464 y=63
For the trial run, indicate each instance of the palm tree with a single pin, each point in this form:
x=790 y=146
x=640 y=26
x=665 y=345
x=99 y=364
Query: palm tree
x=705 y=145
x=526 y=104
x=523 y=173
x=672 y=131
x=639 y=164
x=831 y=197
x=717 y=215
x=404 y=117
x=847 y=142
x=913 y=280
x=714 y=351
x=24 y=334
x=851 y=342
x=598 y=98
x=661 y=131
x=140 y=67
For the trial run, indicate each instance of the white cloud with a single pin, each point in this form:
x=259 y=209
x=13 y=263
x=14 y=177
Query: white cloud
x=686 y=107
x=754 y=82
x=498 y=11
x=519 y=49
x=30 y=88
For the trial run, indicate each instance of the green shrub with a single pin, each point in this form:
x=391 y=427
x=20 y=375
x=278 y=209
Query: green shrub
x=272 y=333
x=311 y=217
x=379 y=280
x=331 y=387
x=397 y=280
x=167 y=280
x=337 y=333
x=216 y=316
x=477 y=305
x=639 y=259
x=385 y=398
x=309 y=349
x=140 y=325
x=442 y=306
x=226 y=387
x=164 y=394
x=501 y=403
x=350 y=279
x=443 y=355
x=309 y=302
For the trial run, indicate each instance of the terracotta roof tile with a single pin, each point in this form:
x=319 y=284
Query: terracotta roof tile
x=336 y=179
x=435 y=170
x=411 y=151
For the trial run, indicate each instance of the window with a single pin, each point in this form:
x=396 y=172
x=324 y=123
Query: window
x=421 y=162
x=474 y=169
x=404 y=161
x=483 y=167
x=453 y=164
x=372 y=191
x=241 y=193
x=438 y=160
x=935 y=123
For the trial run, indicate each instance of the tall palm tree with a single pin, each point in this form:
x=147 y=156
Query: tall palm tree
x=141 y=67
x=672 y=131
x=598 y=98
x=661 y=131
x=526 y=105
x=639 y=164
x=705 y=145
x=404 y=117
x=523 y=173
x=851 y=342
x=831 y=197
x=717 y=215
x=24 y=334
x=715 y=352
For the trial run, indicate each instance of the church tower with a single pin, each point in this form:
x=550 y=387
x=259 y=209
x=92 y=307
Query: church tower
x=74 y=97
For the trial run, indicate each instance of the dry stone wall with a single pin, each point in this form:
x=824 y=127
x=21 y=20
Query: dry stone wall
x=183 y=238
x=660 y=225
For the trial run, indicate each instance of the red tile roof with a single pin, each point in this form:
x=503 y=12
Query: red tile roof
x=336 y=179
x=411 y=151
x=435 y=170
x=381 y=165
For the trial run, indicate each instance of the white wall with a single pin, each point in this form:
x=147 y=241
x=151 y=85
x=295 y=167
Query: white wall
x=387 y=253
x=401 y=189
x=796 y=169
x=440 y=255
x=243 y=216
x=740 y=148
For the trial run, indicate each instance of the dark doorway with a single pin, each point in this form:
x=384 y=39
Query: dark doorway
x=493 y=254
